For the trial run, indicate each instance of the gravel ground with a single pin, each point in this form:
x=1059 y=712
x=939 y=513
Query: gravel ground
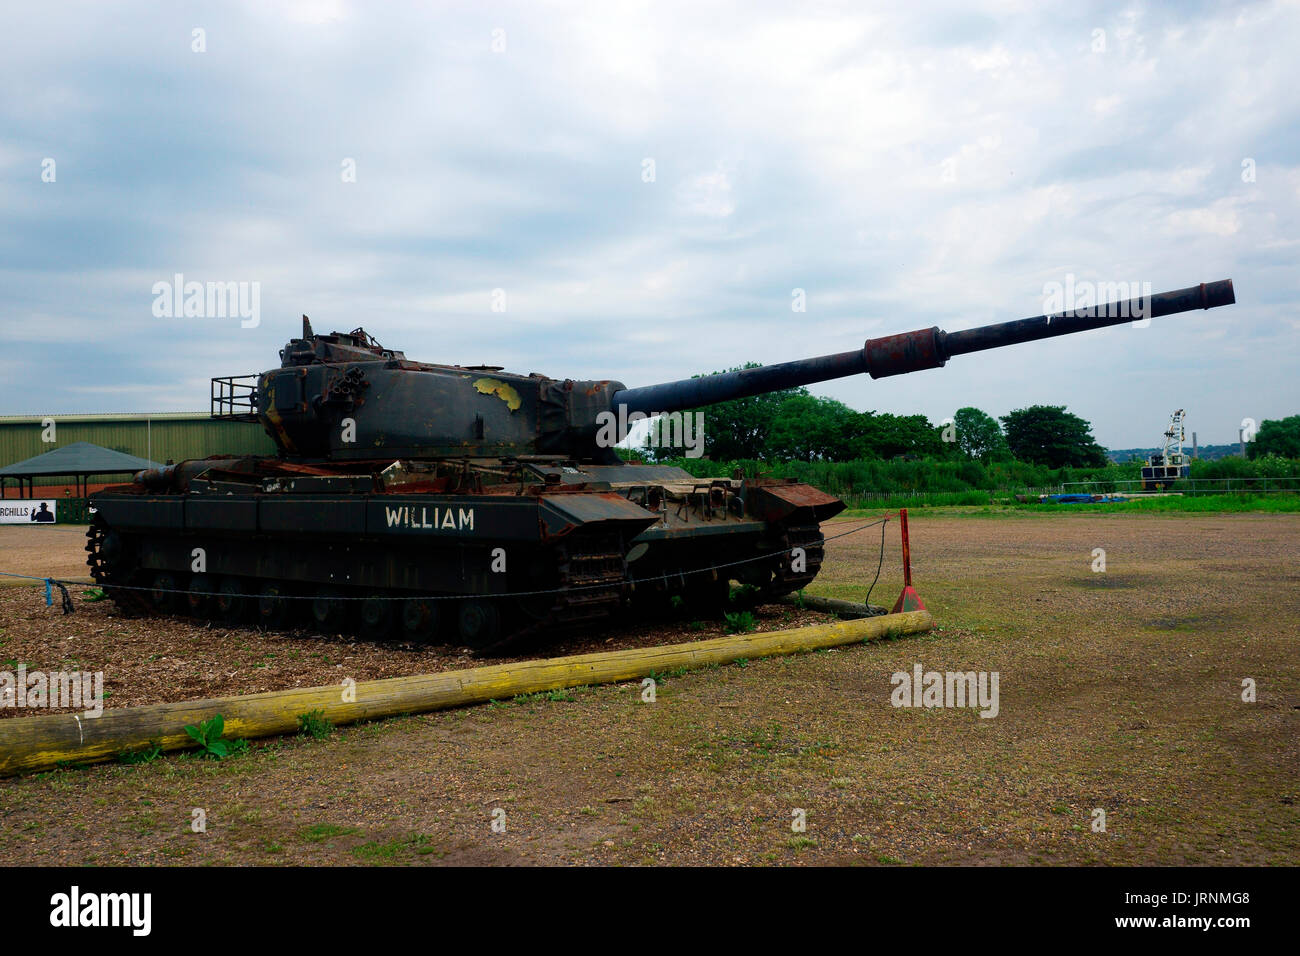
x=1119 y=690
x=57 y=551
x=154 y=660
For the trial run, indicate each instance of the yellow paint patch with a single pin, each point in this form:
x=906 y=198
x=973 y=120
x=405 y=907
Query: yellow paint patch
x=277 y=423
x=507 y=393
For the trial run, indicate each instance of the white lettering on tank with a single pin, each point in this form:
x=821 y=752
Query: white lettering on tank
x=432 y=518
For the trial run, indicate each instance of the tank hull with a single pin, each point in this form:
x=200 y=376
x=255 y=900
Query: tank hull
x=342 y=550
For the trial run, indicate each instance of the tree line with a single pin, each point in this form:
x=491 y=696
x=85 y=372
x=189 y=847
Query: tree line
x=794 y=427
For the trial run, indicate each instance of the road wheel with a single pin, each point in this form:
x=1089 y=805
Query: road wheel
x=376 y=617
x=228 y=605
x=478 y=623
x=163 y=596
x=199 y=601
x=273 y=608
x=329 y=614
x=420 y=619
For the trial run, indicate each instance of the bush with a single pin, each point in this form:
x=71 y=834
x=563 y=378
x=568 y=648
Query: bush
x=967 y=481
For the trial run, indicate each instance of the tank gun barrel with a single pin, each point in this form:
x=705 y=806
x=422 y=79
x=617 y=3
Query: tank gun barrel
x=914 y=351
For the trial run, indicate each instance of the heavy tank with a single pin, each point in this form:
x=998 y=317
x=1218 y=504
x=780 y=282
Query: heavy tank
x=468 y=504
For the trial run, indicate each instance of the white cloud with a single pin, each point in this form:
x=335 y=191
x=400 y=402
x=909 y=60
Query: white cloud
x=708 y=194
x=793 y=148
x=1220 y=219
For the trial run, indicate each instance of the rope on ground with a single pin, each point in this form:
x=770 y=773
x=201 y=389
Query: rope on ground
x=867 y=600
x=50 y=584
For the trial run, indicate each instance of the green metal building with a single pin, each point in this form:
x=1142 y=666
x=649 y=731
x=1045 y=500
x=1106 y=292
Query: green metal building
x=169 y=436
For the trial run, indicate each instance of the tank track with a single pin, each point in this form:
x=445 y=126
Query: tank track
x=787 y=580
x=593 y=585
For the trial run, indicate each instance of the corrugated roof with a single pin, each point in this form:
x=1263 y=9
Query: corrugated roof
x=105 y=417
x=79 y=458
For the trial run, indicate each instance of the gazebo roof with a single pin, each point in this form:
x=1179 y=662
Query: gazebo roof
x=79 y=458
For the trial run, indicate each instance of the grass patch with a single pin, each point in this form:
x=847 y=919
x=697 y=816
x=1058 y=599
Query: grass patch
x=315 y=724
x=320 y=832
x=142 y=755
x=558 y=695
x=740 y=622
x=1005 y=506
x=661 y=677
x=419 y=844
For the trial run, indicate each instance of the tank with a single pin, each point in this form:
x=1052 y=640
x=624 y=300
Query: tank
x=474 y=506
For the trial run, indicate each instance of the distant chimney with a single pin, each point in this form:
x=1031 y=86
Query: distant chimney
x=1241 y=437
x=1195 y=451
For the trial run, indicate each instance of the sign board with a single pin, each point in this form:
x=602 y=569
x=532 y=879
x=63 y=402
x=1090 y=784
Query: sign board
x=27 y=510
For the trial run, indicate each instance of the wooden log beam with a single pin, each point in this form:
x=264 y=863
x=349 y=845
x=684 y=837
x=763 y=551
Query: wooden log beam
x=845 y=609
x=29 y=744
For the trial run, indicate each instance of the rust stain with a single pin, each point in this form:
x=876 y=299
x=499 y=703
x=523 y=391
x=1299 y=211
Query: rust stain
x=801 y=495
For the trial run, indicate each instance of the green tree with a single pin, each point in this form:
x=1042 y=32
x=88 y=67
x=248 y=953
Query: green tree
x=1049 y=435
x=1280 y=437
x=811 y=428
x=741 y=427
x=885 y=435
x=979 y=435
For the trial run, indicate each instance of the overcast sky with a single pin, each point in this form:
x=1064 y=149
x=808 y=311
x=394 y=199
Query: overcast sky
x=906 y=166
